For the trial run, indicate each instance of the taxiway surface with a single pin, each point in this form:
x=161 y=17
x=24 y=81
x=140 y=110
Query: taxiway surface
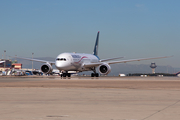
x=84 y=98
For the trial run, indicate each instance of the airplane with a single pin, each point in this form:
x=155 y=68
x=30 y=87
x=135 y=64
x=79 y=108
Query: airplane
x=2 y=62
x=79 y=62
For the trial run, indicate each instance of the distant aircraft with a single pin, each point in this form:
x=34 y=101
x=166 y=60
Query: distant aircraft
x=2 y=62
x=79 y=62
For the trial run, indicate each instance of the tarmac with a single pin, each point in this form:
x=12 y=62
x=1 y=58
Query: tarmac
x=85 y=98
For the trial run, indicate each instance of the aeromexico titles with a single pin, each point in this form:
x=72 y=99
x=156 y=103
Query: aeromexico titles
x=79 y=62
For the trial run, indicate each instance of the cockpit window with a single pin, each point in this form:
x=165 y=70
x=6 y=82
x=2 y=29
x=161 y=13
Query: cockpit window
x=61 y=59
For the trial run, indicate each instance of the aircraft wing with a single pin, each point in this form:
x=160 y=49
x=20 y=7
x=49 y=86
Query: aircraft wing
x=37 y=60
x=103 y=60
x=131 y=60
x=88 y=65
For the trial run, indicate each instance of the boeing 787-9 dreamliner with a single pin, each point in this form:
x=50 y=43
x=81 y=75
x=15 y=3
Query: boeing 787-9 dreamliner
x=79 y=62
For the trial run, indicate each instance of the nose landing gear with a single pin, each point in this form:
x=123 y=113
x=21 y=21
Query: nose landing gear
x=65 y=74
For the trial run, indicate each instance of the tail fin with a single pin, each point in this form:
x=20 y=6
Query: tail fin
x=96 y=45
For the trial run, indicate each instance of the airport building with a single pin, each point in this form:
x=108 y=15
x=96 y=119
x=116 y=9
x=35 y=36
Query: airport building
x=5 y=65
x=9 y=64
x=17 y=65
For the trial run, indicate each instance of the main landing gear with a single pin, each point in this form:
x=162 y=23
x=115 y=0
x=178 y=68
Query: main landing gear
x=94 y=74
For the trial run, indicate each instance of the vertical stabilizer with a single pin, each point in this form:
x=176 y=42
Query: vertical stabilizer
x=96 y=45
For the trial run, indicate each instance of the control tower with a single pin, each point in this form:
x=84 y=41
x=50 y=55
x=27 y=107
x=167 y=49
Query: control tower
x=153 y=66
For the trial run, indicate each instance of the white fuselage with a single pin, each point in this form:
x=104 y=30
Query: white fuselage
x=74 y=61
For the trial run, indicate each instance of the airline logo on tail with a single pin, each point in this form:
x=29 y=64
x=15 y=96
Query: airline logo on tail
x=96 y=45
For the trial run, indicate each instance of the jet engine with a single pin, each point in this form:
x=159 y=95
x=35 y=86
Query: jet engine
x=104 y=69
x=46 y=68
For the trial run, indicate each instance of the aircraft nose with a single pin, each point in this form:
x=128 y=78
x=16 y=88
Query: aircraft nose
x=62 y=65
x=59 y=64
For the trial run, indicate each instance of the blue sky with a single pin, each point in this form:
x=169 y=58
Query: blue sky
x=130 y=28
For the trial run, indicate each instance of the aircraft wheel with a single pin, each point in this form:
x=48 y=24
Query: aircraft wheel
x=97 y=75
x=92 y=74
x=68 y=74
x=64 y=74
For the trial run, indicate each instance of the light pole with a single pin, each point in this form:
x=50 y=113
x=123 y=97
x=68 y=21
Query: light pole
x=4 y=58
x=32 y=61
x=15 y=59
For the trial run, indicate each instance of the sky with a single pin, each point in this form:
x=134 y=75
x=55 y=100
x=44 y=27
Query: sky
x=129 y=28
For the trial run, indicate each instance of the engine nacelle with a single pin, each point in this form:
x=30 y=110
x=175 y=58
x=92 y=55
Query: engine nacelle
x=46 y=68
x=104 y=69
